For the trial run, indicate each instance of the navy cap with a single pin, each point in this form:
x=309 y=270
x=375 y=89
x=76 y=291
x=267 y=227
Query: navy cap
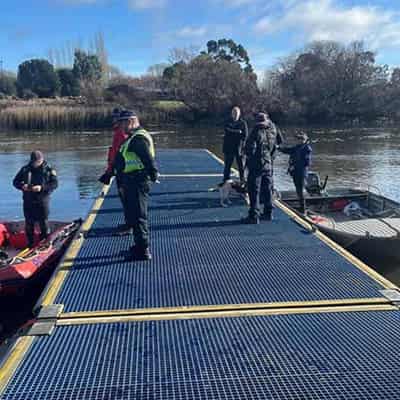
x=116 y=113
x=126 y=114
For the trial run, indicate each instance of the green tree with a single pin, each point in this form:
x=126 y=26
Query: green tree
x=8 y=84
x=87 y=67
x=228 y=50
x=330 y=81
x=172 y=77
x=69 y=83
x=38 y=77
x=88 y=70
x=212 y=86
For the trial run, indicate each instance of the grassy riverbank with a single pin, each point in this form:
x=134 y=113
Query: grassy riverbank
x=76 y=114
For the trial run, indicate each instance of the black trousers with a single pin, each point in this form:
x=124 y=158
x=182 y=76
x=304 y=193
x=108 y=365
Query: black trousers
x=260 y=188
x=299 y=178
x=136 y=195
x=37 y=212
x=229 y=158
x=122 y=197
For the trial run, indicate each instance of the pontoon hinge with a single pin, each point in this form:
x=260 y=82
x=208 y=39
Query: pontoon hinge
x=392 y=294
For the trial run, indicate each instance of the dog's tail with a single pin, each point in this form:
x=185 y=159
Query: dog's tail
x=216 y=188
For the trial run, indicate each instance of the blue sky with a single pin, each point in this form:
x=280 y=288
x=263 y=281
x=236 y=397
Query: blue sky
x=139 y=33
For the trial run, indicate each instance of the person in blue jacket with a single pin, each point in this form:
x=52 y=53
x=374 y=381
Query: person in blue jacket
x=299 y=163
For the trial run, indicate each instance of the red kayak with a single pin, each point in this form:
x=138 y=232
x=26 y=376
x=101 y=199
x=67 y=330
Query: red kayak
x=20 y=267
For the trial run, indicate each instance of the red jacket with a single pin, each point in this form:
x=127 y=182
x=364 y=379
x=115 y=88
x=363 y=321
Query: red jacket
x=119 y=137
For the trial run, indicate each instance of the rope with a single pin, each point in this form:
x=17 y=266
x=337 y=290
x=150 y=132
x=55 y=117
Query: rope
x=64 y=233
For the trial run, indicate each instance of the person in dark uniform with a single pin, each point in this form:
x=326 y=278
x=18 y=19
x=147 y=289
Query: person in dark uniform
x=36 y=180
x=299 y=162
x=259 y=149
x=135 y=167
x=236 y=132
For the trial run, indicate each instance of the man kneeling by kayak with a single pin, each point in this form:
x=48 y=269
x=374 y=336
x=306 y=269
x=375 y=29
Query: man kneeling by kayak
x=36 y=180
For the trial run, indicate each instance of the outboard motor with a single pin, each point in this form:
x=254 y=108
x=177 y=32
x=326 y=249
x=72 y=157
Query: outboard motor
x=313 y=184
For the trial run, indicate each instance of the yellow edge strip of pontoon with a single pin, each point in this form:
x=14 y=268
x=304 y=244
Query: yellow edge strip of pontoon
x=61 y=272
x=15 y=357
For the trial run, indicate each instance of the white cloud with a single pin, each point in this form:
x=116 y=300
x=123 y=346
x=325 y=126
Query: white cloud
x=146 y=4
x=192 y=32
x=325 y=20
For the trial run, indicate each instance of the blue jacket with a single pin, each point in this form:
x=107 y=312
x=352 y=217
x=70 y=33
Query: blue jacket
x=300 y=158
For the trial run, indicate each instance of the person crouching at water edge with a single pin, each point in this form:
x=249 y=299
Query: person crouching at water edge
x=299 y=162
x=122 y=125
x=135 y=167
x=36 y=180
x=234 y=138
x=259 y=150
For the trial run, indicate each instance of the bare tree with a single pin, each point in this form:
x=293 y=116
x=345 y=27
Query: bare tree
x=157 y=70
x=183 y=54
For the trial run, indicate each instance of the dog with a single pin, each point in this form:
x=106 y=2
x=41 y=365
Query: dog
x=231 y=187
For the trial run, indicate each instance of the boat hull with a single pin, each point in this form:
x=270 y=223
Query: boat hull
x=21 y=273
x=370 y=249
x=376 y=242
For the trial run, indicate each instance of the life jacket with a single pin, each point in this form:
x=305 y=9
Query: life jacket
x=133 y=163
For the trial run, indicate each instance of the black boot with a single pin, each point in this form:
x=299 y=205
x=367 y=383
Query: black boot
x=250 y=220
x=139 y=254
x=123 y=230
x=267 y=216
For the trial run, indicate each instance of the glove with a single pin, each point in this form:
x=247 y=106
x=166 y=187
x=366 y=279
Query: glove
x=154 y=177
x=105 y=179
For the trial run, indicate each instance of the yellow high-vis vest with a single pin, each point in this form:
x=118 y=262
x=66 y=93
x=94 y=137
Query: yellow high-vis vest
x=132 y=162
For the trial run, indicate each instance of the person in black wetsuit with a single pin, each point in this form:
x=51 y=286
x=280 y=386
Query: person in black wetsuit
x=36 y=180
x=236 y=132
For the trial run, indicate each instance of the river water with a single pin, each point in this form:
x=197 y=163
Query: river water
x=348 y=156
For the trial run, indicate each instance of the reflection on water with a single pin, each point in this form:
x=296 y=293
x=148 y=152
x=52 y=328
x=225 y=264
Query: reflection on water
x=347 y=156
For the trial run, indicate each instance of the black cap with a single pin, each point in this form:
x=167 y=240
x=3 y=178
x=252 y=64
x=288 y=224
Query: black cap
x=261 y=117
x=126 y=114
x=36 y=156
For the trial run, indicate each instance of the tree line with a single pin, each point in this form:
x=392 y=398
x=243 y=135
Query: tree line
x=322 y=83
x=325 y=82
x=39 y=78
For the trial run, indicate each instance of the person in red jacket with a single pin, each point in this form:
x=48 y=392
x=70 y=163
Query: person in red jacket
x=119 y=126
x=119 y=137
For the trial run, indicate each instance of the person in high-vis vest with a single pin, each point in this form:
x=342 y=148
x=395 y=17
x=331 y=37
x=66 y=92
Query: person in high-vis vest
x=135 y=167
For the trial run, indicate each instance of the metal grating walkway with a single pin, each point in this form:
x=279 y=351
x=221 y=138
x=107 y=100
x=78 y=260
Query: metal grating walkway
x=323 y=356
x=195 y=161
x=203 y=256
